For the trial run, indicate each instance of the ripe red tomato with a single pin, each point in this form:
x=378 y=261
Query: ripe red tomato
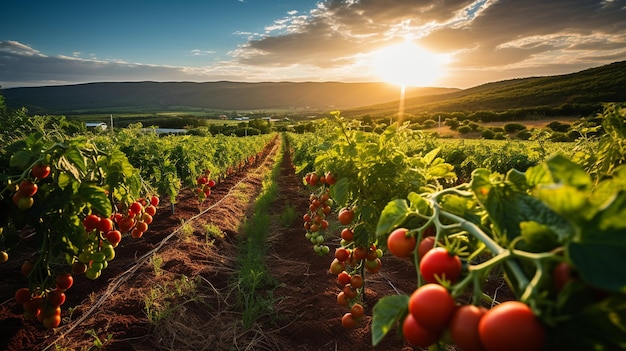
x=64 y=281
x=427 y=244
x=330 y=178
x=91 y=222
x=347 y=234
x=26 y=268
x=154 y=201
x=40 y=171
x=136 y=207
x=151 y=210
x=56 y=298
x=342 y=300
x=105 y=225
x=432 y=307
x=439 y=263
x=347 y=321
x=511 y=326
x=342 y=254
x=399 y=244
x=357 y=311
x=356 y=281
x=22 y=295
x=211 y=183
x=417 y=335
x=53 y=321
x=464 y=327
x=345 y=216
x=28 y=188
x=126 y=224
x=114 y=237
x=360 y=253
x=349 y=292
x=561 y=275
x=343 y=278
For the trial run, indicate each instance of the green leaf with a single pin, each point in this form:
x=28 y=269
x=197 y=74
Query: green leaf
x=418 y=203
x=538 y=237
x=613 y=214
x=20 y=159
x=74 y=155
x=564 y=171
x=97 y=198
x=340 y=191
x=392 y=216
x=387 y=312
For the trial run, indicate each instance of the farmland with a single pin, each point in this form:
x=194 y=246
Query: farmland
x=312 y=240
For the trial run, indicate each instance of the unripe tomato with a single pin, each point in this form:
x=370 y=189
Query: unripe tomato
x=337 y=266
x=4 y=256
x=399 y=244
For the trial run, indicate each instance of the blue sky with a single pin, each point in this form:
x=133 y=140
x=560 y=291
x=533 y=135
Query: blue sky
x=70 y=41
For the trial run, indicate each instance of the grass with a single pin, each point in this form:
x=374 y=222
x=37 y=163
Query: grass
x=252 y=281
x=161 y=300
x=288 y=216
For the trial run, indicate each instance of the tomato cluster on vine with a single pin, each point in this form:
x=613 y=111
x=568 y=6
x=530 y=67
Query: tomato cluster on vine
x=320 y=206
x=204 y=185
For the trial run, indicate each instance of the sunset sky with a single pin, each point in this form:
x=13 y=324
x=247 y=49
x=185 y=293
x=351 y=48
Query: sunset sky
x=447 y=43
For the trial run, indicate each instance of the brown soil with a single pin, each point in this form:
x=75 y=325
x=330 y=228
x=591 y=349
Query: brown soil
x=112 y=309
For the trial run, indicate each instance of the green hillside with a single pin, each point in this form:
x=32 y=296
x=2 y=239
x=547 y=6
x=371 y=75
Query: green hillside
x=581 y=90
x=154 y=96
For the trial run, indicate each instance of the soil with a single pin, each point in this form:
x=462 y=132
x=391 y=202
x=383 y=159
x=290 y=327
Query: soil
x=173 y=288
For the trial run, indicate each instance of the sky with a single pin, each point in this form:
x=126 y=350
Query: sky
x=445 y=43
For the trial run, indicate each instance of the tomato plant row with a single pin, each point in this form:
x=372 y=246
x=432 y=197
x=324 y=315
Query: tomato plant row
x=553 y=231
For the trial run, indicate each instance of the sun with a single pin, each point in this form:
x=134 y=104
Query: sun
x=407 y=64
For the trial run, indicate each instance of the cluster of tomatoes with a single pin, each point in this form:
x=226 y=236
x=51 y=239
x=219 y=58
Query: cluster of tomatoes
x=320 y=206
x=510 y=325
x=26 y=190
x=204 y=185
x=434 y=313
x=349 y=260
x=44 y=306
x=103 y=235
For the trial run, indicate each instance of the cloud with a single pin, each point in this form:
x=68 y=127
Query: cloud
x=486 y=40
x=480 y=35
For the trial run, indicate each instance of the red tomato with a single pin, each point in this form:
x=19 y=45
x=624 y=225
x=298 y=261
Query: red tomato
x=347 y=321
x=561 y=275
x=399 y=244
x=464 y=327
x=511 y=326
x=136 y=207
x=356 y=281
x=427 y=244
x=439 y=263
x=345 y=216
x=342 y=300
x=105 y=225
x=344 y=278
x=357 y=311
x=91 y=222
x=56 y=298
x=114 y=237
x=330 y=178
x=154 y=201
x=41 y=171
x=417 y=335
x=360 y=253
x=53 y=321
x=432 y=307
x=64 y=281
x=28 y=188
x=22 y=295
x=347 y=234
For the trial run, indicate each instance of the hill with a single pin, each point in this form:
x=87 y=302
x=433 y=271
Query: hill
x=224 y=95
x=590 y=87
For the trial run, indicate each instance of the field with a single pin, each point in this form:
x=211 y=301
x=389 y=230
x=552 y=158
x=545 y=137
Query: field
x=306 y=315
x=340 y=239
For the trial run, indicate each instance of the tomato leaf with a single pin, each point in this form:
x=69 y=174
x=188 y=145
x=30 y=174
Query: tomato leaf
x=394 y=214
x=386 y=313
x=340 y=191
x=97 y=198
x=20 y=159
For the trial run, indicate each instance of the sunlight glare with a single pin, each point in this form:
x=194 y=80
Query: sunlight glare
x=407 y=64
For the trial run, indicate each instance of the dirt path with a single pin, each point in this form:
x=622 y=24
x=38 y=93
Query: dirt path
x=186 y=285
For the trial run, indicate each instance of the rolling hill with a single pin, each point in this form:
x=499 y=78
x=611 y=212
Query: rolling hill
x=589 y=87
x=160 y=96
